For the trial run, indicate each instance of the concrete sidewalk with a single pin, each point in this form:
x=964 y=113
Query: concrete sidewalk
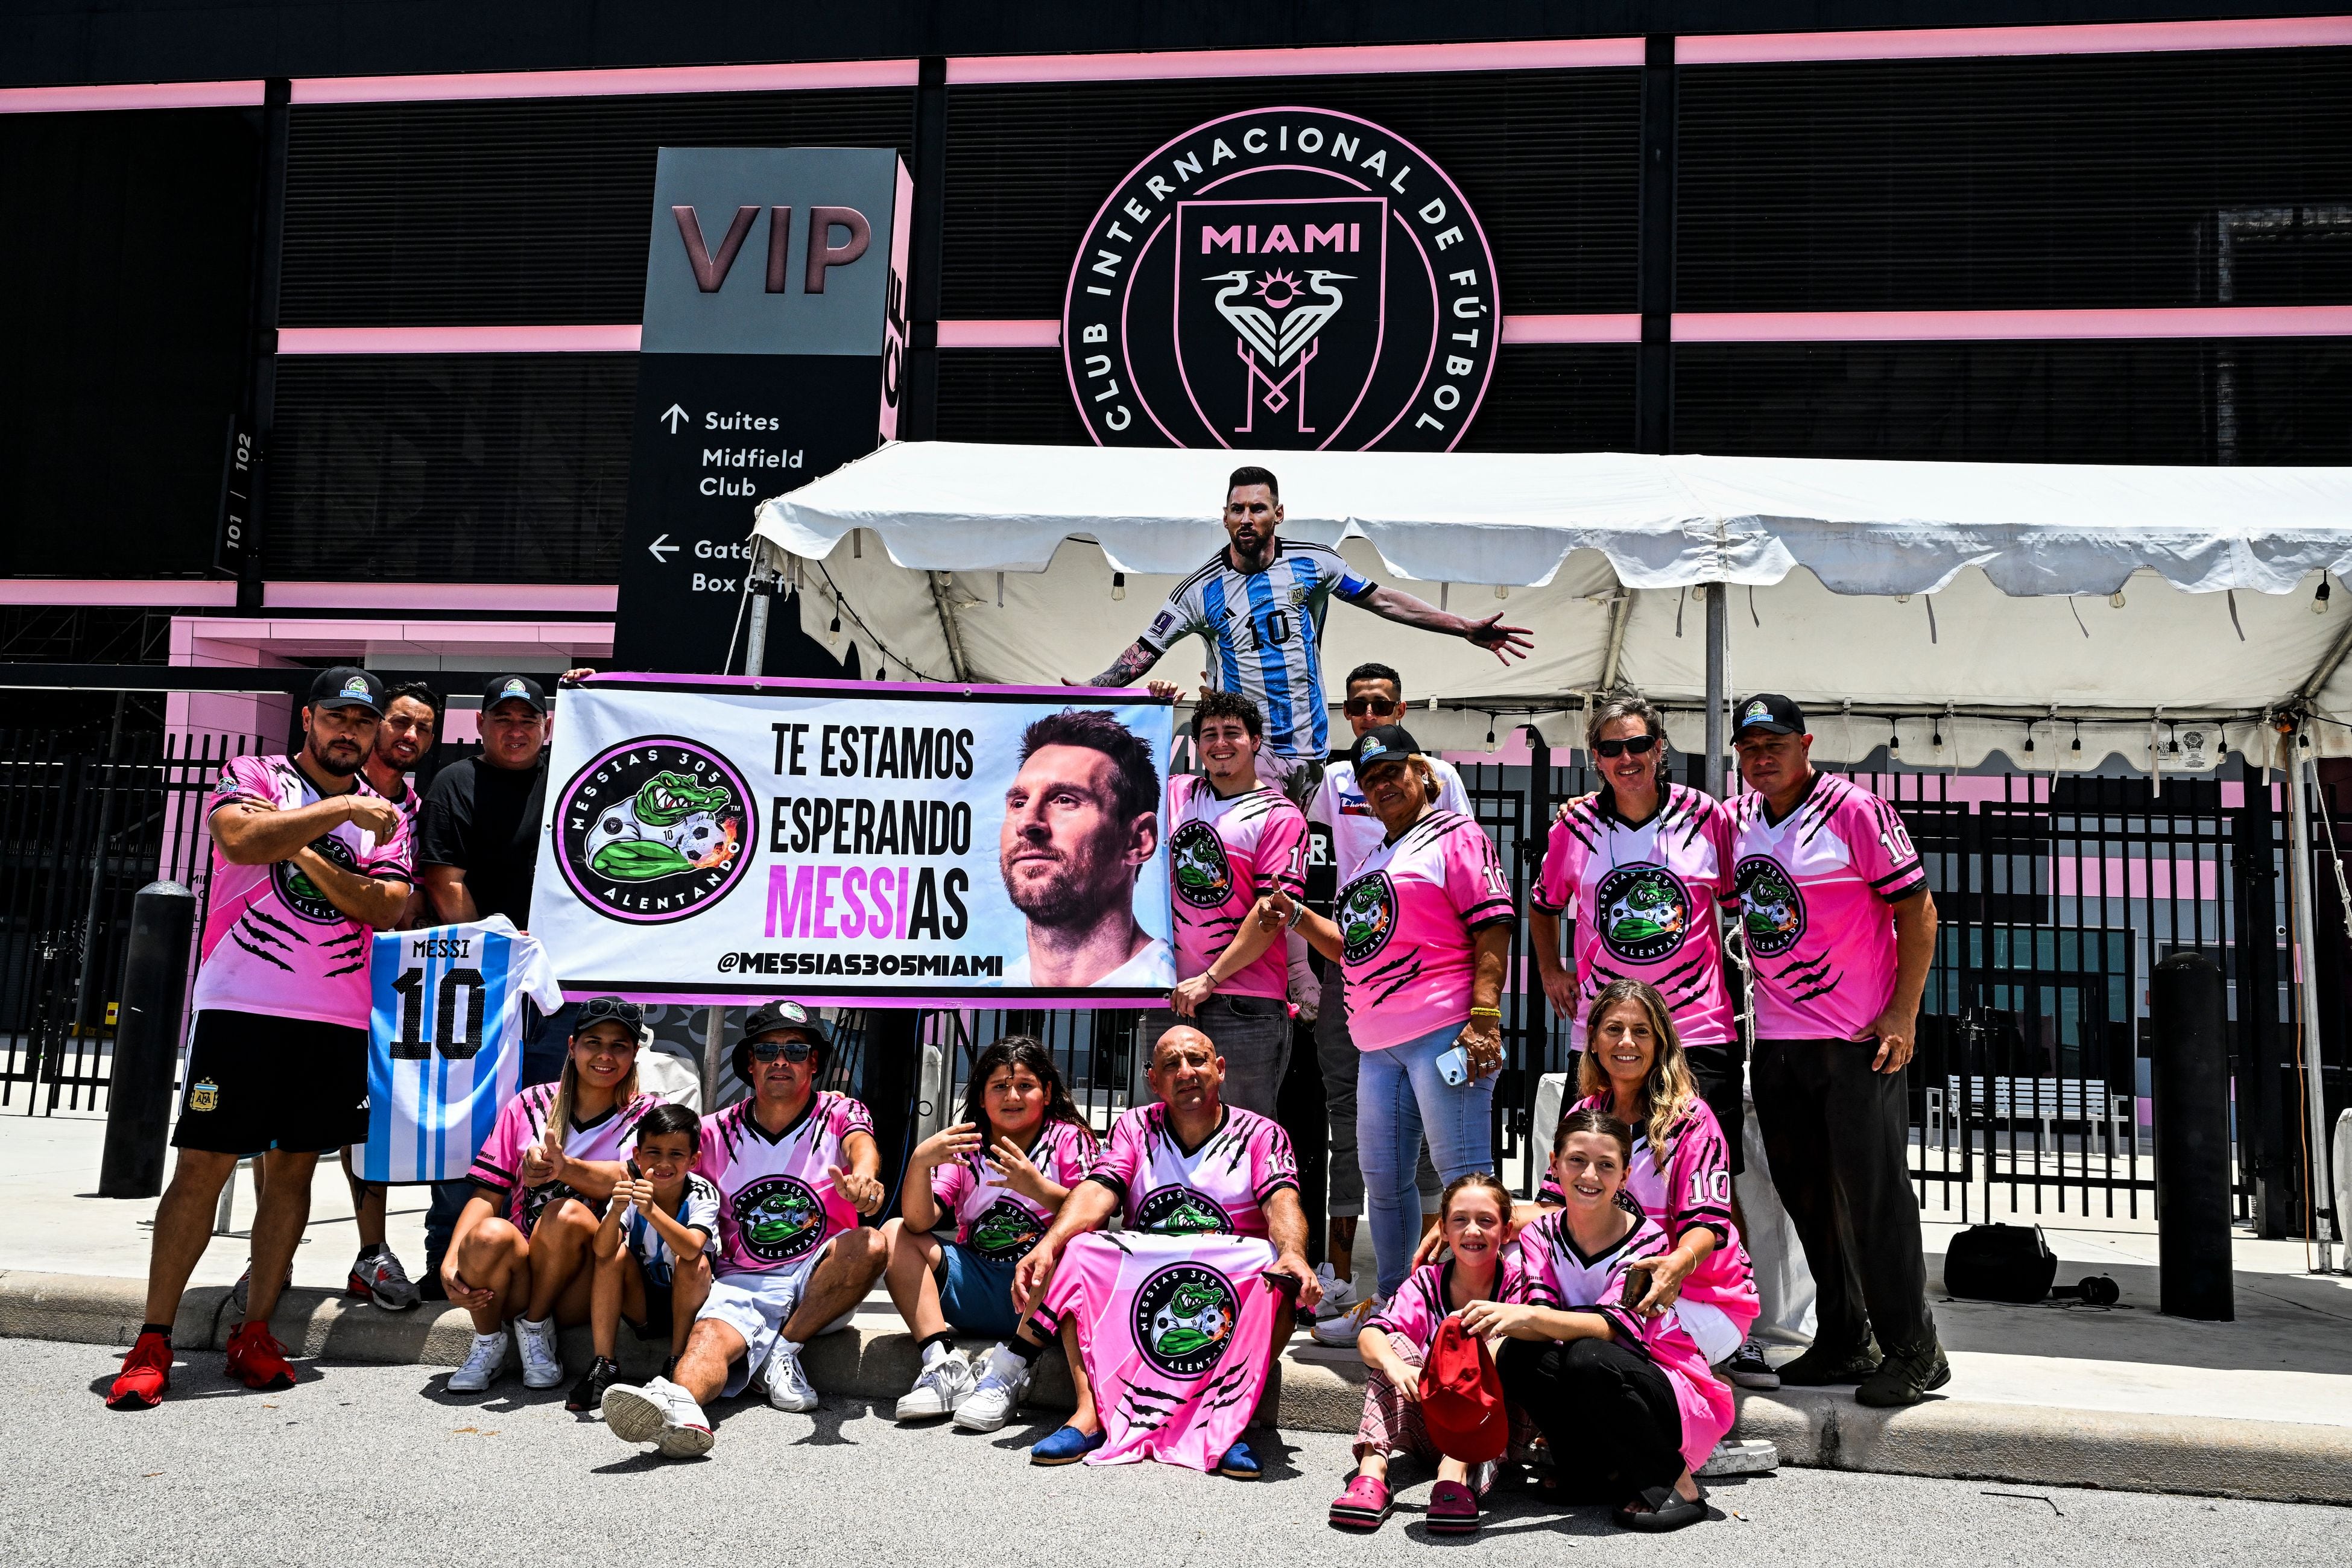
x=2052 y=1395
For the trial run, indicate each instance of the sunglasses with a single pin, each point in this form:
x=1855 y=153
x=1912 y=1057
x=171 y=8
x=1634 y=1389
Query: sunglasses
x=601 y=1009
x=1637 y=744
x=1377 y=707
x=791 y=1051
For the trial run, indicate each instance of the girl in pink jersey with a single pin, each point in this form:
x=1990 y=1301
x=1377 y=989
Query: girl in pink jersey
x=522 y=1247
x=1422 y=934
x=1583 y=1347
x=1474 y=1214
x=1000 y=1174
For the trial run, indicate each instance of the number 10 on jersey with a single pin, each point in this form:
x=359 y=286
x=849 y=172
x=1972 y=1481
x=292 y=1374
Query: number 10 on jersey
x=456 y=1042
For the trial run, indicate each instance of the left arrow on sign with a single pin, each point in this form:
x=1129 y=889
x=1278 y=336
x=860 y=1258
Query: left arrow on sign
x=657 y=546
x=676 y=416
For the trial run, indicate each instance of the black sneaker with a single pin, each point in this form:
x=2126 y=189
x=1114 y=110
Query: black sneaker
x=1819 y=1367
x=1905 y=1378
x=588 y=1393
x=1748 y=1368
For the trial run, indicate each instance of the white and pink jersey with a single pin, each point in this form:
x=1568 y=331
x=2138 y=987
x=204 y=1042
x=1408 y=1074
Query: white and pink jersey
x=1561 y=1276
x=1223 y=854
x=272 y=942
x=522 y=1122
x=1424 y=1300
x=994 y=1220
x=1693 y=1190
x=1644 y=900
x=1405 y=926
x=776 y=1204
x=1222 y=1186
x=1816 y=889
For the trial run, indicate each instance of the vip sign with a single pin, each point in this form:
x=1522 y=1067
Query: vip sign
x=1283 y=277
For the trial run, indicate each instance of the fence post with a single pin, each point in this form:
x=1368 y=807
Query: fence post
x=146 y=1041
x=2192 y=1139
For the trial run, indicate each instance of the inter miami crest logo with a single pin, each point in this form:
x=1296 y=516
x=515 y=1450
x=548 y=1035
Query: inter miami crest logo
x=1180 y=1211
x=654 y=829
x=1198 y=866
x=305 y=897
x=1365 y=914
x=1644 y=912
x=1184 y=1317
x=778 y=1218
x=1283 y=277
x=1772 y=909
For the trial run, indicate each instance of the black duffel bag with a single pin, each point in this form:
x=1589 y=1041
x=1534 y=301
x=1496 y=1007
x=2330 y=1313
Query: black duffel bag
x=2000 y=1263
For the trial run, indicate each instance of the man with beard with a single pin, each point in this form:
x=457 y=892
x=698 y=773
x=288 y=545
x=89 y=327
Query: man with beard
x=1081 y=821
x=308 y=862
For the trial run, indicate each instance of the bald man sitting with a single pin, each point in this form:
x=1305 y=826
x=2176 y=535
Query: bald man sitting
x=1187 y=1165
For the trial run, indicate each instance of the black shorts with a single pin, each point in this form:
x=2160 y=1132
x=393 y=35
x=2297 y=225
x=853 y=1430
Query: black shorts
x=258 y=1081
x=1718 y=1069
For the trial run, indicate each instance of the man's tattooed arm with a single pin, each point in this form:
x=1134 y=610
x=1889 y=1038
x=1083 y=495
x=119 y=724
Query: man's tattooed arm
x=1128 y=668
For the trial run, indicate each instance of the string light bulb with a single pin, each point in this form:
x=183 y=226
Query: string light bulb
x=2319 y=599
x=2078 y=736
x=2116 y=600
x=1118 y=585
x=1893 y=740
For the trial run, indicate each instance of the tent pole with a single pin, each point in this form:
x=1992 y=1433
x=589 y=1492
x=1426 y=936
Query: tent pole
x=1718 y=635
x=755 y=662
x=2299 y=884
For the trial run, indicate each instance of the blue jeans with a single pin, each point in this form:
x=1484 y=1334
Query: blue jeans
x=546 y=1041
x=1398 y=1098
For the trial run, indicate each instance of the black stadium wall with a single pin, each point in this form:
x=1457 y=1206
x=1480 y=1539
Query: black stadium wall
x=2067 y=181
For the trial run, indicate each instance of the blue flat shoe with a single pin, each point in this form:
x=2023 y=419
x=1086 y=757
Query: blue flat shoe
x=1066 y=1446
x=1239 y=1463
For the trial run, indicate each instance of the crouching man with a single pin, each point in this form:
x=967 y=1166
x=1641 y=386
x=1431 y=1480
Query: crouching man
x=796 y=1166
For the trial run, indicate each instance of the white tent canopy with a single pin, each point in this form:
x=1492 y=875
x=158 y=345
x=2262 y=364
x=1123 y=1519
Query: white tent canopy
x=1965 y=601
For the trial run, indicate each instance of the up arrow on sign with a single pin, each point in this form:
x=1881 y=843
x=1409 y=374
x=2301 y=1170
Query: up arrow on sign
x=676 y=417
x=658 y=546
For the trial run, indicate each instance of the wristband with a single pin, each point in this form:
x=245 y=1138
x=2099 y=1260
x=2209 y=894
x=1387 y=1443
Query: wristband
x=1297 y=912
x=1485 y=1011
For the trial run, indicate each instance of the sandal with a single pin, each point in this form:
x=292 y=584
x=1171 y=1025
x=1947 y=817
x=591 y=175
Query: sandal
x=1364 y=1505
x=1453 y=1509
x=1664 y=1510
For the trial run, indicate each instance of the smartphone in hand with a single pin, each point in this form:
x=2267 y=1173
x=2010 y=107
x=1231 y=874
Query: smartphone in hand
x=1454 y=1066
x=1637 y=1285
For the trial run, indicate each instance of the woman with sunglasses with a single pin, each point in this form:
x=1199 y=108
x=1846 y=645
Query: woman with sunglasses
x=1642 y=867
x=522 y=1249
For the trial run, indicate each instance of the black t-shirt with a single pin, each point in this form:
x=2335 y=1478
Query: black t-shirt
x=484 y=820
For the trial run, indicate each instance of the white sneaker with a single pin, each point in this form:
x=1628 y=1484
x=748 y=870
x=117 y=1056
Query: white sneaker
x=1339 y=1294
x=1340 y=1331
x=661 y=1413
x=1748 y=1456
x=1004 y=1379
x=483 y=1364
x=946 y=1381
x=788 y=1386
x=542 y=1364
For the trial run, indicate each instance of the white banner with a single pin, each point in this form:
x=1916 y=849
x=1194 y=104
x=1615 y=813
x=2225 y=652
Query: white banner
x=717 y=839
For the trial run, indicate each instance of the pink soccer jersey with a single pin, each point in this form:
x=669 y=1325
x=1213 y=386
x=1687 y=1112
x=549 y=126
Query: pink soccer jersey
x=777 y=1205
x=993 y=1220
x=1815 y=891
x=498 y=1169
x=1560 y=1277
x=1421 y=1303
x=272 y=942
x=1644 y=900
x=1405 y=926
x=1223 y=854
x=1175 y=1331
x=1694 y=1189
x=1223 y=1185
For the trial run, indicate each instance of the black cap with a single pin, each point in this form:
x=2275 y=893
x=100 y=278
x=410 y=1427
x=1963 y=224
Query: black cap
x=508 y=687
x=780 y=1014
x=1382 y=742
x=347 y=686
x=1772 y=713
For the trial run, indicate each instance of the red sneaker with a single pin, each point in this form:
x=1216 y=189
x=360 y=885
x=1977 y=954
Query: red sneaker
x=257 y=1360
x=146 y=1373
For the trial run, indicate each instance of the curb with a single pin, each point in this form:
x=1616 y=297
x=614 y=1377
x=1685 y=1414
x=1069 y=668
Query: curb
x=1317 y=1389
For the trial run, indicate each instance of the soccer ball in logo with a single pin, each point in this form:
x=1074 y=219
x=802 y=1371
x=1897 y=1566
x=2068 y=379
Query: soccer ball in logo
x=654 y=829
x=1643 y=912
x=1365 y=914
x=302 y=895
x=778 y=1218
x=1180 y=1211
x=1772 y=909
x=1006 y=1231
x=1184 y=1316
x=1197 y=865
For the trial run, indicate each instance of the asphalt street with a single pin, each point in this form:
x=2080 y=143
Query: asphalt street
x=377 y=1465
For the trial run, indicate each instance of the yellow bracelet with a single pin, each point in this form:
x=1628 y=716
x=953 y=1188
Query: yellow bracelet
x=1485 y=1011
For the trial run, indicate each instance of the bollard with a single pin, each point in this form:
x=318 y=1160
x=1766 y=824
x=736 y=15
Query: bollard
x=2186 y=1016
x=147 y=1041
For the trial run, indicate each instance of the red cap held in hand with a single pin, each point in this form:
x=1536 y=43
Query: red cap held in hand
x=1461 y=1396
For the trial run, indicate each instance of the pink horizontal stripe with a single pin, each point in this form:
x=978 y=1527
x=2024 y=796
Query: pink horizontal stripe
x=925 y=690
x=1929 y=326
x=620 y=338
x=1952 y=43
x=1534 y=53
x=2117 y=878
x=588 y=598
x=999 y=334
x=192 y=592
x=814 y=76
x=1572 y=329
x=130 y=95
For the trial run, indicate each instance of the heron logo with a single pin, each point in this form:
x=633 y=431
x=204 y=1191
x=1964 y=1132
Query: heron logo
x=1283 y=277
